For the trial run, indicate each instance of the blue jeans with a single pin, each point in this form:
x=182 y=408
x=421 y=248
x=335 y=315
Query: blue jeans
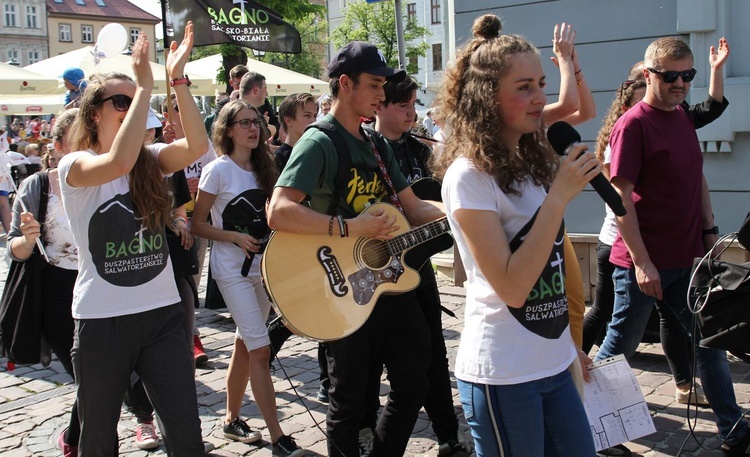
x=631 y=312
x=537 y=418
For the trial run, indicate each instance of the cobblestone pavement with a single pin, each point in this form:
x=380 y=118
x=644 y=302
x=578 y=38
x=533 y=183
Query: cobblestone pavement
x=34 y=401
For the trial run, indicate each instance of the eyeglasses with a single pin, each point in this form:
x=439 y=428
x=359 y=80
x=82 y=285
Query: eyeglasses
x=119 y=101
x=671 y=76
x=245 y=123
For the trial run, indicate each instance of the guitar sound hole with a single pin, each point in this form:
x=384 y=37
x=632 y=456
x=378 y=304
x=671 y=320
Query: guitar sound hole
x=375 y=254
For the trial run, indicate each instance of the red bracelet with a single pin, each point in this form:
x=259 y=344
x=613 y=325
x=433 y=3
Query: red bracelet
x=183 y=80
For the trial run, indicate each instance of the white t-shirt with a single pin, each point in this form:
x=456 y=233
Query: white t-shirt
x=501 y=345
x=123 y=268
x=240 y=206
x=608 y=233
x=194 y=169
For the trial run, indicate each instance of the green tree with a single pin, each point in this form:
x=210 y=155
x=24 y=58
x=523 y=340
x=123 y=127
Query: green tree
x=376 y=23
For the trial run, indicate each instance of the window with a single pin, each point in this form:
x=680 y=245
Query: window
x=413 y=66
x=10 y=15
x=435 y=11
x=134 y=35
x=87 y=33
x=411 y=12
x=65 y=32
x=80 y=2
x=12 y=55
x=99 y=3
x=437 y=57
x=34 y=57
x=31 y=18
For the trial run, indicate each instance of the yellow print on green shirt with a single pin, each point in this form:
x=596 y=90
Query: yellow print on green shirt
x=363 y=192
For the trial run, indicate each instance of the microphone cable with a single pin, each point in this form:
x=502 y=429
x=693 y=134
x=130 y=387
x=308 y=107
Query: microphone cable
x=275 y=322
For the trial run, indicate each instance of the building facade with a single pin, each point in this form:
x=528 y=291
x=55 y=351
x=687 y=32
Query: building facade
x=430 y=14
x=74 y=24
x=23 y=31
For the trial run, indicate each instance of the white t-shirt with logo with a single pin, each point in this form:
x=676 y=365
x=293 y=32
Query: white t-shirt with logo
x=123 y=267
x=240 y=206
x=195 y=169
x=501 y=345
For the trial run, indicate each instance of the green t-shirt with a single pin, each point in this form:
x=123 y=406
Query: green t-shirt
x=314 y=162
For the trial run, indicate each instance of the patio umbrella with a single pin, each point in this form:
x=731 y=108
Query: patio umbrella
x=83 y=58
x=280 y=81
x=28 y=106
x=21 y=81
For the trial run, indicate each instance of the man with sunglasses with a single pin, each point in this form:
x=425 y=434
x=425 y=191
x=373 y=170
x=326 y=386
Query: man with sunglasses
x=657 y=168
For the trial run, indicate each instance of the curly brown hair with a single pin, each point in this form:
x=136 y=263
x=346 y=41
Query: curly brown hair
x=148 y=189
x=261 y=158
x=624 y=98
x=468 y=101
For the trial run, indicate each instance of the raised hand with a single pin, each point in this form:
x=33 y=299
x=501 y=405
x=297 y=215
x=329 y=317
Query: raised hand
x=717 y=58
x=178 y=55
x=141 y=66
x=563 y=40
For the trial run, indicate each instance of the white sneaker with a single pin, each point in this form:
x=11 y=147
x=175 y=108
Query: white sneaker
x=146 y=437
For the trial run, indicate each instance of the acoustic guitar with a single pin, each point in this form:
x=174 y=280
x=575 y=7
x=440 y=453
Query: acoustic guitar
x=324 y=288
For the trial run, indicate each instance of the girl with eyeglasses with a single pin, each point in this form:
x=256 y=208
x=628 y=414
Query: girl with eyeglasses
x=126 y=306
x=235 y=188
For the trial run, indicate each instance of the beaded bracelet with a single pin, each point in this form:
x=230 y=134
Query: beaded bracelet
x=330 y=226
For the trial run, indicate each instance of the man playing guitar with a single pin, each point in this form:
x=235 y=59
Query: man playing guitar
x=395 y=333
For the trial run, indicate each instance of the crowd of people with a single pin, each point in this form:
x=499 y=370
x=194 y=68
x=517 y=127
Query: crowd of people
x=127 y=204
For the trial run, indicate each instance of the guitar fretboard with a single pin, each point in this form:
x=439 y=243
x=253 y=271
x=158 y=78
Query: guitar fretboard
x=417 y=236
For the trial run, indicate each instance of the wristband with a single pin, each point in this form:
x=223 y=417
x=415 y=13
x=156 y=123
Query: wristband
x=330 y=226
x=179 y=218
x=712 y=231
x=178 y=81
x=342 y=225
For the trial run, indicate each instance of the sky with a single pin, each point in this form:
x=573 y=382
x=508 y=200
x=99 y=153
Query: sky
x=153 y=7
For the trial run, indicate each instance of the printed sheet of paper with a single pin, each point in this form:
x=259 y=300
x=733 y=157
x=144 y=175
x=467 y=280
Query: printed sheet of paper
x=614 y=404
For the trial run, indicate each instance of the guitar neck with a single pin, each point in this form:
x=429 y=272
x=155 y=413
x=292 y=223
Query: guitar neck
x=417 y=236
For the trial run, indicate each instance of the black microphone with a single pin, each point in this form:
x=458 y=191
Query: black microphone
x=563 y=138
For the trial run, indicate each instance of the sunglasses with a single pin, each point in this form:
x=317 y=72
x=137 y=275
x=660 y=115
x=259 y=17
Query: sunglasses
x=671 y=76
x=245 y=123
x=119 y=101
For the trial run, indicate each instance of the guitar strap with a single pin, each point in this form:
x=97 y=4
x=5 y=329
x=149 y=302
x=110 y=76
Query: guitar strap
x=345 y=157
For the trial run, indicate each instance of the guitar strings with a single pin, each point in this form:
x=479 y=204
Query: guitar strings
x=404 y=241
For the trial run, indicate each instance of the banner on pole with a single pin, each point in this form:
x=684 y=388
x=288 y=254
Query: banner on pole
x=242 y=22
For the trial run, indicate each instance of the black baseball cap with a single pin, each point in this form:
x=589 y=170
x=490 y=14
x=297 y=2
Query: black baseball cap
x=359 y=56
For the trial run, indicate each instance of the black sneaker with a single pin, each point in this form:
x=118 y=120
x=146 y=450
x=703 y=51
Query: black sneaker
x=322 y=394
x=454 y=448
x=738 y=449
x=238 y=430
x=286 y=447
